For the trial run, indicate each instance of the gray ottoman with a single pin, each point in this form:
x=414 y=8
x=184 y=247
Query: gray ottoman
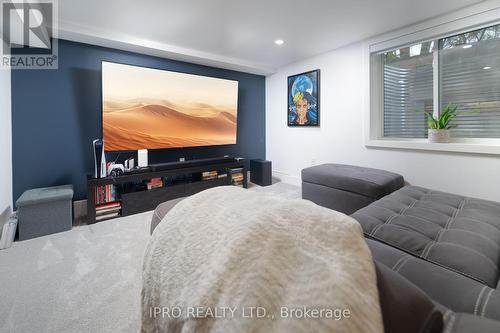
x=347 y=188
x=45 y=211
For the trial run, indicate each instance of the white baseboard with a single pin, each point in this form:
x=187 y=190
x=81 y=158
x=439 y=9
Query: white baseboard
x=287 y=178
x=5 y=215
x=79 y=212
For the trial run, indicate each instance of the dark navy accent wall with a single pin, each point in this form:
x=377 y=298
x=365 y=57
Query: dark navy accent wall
x=57 y=113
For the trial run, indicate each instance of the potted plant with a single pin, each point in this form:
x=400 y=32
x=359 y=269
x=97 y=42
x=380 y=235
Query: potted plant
x=439 y=128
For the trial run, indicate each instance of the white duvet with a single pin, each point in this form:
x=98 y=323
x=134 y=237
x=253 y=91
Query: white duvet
x=233 y=260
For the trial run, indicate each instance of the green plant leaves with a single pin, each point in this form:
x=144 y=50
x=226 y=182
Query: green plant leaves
x=432 y=122
x=445 y=117
x=443 y=121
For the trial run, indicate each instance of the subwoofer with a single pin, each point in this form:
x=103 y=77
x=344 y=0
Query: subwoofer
x=261 y=172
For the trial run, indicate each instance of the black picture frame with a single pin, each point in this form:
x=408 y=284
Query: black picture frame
x=303 y=91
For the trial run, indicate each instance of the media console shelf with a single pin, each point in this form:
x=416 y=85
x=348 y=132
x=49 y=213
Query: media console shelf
x=132 y=198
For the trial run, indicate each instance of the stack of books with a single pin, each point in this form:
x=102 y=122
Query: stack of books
x=107 y=210
x=207 y=175
x=237 y=176
x=155 y=183
x=105 y=194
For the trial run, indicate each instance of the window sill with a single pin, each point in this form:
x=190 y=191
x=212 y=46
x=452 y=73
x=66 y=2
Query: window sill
x=422 y=144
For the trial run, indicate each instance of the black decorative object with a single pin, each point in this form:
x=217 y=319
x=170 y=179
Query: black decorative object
x=261 y=172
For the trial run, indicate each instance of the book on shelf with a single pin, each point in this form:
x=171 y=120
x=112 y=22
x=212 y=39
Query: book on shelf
x=154 y=183
x=107 y=216
x=236 y=170
x=237 y=177
x=108 y=211
x=105 y=194
x=108 y=205
x=207 y=175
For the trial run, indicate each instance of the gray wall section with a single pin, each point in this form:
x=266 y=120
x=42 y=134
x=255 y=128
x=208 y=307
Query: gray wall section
x=57 y=113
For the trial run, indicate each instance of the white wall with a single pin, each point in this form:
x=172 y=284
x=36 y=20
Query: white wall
x=5 y=143
x=340 y=137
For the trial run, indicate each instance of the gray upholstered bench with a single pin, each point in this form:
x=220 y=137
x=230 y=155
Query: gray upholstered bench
x=347 y=188
x=45 y=211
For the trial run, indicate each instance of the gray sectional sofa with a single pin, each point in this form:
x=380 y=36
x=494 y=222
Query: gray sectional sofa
x=405 y=306
x=459 y=233
x=447 y=245
x=437 y=254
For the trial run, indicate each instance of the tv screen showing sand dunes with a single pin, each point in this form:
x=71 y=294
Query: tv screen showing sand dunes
x=145 y=108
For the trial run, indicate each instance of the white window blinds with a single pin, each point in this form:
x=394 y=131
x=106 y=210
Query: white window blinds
x=408 y=90
x=469 y=68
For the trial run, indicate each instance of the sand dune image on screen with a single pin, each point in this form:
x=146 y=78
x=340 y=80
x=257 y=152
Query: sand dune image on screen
x=146 y=108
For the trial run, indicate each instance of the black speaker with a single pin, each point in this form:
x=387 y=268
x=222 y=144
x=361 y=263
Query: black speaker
x=261 y=172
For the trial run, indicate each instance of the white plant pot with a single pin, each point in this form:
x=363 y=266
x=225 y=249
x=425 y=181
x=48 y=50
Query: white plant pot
x=439 y=135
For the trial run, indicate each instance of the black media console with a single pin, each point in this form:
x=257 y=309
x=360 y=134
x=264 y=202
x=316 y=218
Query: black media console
x=128 y=194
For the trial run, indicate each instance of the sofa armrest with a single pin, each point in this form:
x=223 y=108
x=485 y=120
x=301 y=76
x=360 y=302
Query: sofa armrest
x=465 y=323
x=453 y=290
x=405 y=308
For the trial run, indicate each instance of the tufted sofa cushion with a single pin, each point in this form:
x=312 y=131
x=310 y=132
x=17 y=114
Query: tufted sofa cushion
x=459 y=233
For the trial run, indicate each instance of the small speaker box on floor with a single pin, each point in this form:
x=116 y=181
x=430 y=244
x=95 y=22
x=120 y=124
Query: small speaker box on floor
x=261 y=172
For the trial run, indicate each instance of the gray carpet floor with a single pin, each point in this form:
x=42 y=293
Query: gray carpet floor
x=84 y=280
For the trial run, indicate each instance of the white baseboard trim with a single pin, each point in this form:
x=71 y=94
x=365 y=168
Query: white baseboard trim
x=4 y=216
x=79 y=212
x=287 y=178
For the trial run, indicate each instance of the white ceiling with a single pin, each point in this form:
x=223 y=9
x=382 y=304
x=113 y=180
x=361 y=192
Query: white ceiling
x=240 y=34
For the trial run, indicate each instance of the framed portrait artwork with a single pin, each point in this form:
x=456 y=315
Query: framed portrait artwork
x=303 y=99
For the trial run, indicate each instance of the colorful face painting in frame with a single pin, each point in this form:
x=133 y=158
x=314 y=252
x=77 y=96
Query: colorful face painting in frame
x=303 y=99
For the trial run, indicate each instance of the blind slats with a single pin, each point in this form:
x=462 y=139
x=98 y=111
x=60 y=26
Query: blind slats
x=466 y=81
x=468 y=78
x=407 y=92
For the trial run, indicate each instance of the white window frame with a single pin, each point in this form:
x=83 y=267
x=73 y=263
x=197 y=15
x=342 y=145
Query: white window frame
x=469 y=19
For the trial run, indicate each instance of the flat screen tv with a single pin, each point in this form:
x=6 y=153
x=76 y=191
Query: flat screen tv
x=146 y=108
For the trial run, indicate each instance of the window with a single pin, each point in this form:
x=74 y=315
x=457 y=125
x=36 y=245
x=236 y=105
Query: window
x=469 y=75
x=407 y=88
x=462 y=69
